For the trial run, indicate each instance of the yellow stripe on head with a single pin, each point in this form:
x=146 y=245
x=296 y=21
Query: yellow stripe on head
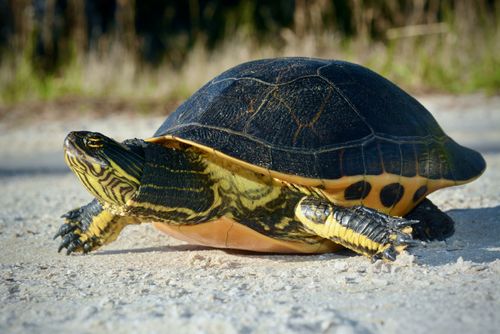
x=109 y=170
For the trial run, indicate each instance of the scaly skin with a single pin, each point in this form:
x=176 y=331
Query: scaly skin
x=89 y=227
x=184 y=186
x=358 y=228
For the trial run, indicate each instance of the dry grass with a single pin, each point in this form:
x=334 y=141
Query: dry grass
x=442 y=62
x=453 y=56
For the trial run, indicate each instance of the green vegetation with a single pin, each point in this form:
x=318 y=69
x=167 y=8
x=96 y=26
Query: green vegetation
x=427 y=45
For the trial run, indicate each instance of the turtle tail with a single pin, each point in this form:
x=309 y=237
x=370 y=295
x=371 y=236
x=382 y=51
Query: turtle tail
x=465 y=164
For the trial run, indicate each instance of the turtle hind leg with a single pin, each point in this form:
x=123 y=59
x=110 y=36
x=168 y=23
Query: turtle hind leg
x=433 y=224
x=89 y=227
x=363 y=230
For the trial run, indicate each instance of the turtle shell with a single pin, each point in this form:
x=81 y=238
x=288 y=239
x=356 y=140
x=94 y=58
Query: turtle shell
x=323 y=123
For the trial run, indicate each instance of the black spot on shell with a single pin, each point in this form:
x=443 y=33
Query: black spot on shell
x=419 y=193
x=391 y=194
x=358 y=190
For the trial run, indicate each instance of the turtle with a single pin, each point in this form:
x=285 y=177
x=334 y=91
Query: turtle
x=282 y=155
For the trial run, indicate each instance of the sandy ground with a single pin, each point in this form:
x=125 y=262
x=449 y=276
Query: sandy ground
x=148 y=282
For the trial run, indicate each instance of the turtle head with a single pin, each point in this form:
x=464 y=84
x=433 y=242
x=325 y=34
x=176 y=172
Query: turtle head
x=110 y=170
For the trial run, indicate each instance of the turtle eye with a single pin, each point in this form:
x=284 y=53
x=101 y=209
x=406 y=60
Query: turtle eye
x=93 y=142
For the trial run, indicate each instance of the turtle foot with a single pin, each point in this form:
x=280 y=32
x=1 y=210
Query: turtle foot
x=394 y=234
x=361 y=229
x=75 y=232
x=433 y=224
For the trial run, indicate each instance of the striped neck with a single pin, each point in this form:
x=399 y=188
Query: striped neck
x=174 y=187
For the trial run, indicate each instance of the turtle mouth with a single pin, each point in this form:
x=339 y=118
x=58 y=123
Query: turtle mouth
x=71 y=141
x=73 y=145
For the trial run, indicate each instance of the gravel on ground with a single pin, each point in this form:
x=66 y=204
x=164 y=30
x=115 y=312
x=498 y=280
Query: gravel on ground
x=150 y=283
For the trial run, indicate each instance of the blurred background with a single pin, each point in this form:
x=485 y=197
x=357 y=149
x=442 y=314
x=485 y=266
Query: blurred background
x=152 y=54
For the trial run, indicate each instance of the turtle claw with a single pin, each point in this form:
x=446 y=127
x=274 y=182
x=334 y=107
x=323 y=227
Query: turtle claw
x=86 y=248
x=68 y=231
x=402 y=223
x=394 y=223
x=389 y=254
x=73 y=231
x=68 y=239
x=405 y=239
x=73 y=214
x=73 y=241
x=399 y=238
x=64 y=229
x=74 y=245
x=397 y=223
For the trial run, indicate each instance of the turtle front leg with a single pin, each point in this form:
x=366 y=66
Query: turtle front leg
x=89 y=227
x=363 y=230
x=433 y=223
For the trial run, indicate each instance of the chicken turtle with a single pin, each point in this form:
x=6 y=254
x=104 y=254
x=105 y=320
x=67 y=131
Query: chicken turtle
x=286 y=155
